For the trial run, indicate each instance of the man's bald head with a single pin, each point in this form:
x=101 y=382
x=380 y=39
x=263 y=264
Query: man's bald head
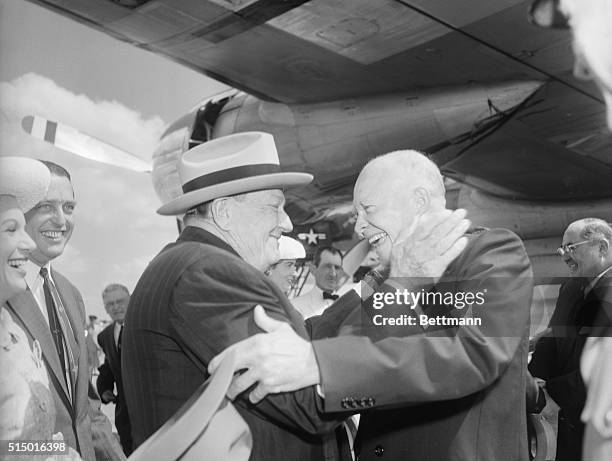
x=391 y=193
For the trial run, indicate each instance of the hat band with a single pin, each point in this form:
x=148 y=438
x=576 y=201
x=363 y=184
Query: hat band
x=230 y=174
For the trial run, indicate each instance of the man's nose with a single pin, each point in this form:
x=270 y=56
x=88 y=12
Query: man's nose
x=284 y=221
x=59 y=217
x=360 y=225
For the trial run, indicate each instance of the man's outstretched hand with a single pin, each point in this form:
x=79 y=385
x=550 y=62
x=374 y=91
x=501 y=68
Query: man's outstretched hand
x=278 y=361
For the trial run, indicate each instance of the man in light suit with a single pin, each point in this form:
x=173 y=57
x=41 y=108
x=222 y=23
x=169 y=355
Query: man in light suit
x=327 y=270
x=197 y=297
x=431 y=381
x=52 y=312
x=116 y=298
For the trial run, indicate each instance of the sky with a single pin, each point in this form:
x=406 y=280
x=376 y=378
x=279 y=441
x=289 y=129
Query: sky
x=57 y=68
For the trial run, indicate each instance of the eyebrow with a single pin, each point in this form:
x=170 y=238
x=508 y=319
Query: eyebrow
x=8 y=222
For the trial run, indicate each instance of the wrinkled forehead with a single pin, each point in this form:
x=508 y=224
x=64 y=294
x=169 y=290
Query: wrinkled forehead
x=117 y=293
x=572 y=234
x=266 y=197
x=372 y=182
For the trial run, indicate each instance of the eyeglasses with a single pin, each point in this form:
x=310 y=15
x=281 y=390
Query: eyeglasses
x=569 y=248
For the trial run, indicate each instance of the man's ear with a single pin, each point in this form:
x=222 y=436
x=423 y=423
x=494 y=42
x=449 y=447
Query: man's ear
x=221 y=211
x=421 y=198
x=604 y=247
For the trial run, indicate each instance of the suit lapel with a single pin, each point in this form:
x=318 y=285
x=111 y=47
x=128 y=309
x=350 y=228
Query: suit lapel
x=73 y=323
x=25 y=308
x=109 y=339
x=76 y=340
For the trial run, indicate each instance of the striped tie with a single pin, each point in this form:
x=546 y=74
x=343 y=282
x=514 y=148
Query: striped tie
x=59 y=324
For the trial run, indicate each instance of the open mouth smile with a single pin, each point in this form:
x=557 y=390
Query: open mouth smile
x=54 y=235
x=377 y=238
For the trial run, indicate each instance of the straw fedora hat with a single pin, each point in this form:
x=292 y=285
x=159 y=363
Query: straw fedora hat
x=234 y=164
x=25 y=179
x=206 y=427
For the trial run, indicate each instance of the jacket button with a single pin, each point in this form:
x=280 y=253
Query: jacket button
x=379 y=450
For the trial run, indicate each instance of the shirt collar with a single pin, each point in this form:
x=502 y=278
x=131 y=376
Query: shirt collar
x=593 y=282
x=33 y=272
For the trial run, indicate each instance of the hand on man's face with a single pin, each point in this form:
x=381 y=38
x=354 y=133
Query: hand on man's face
x=426 y=249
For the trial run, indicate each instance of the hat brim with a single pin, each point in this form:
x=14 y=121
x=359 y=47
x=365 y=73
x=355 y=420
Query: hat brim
x=187 y=424
x=238 y=186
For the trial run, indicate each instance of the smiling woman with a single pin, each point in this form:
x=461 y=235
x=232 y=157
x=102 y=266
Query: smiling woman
x=27 y=411
x=14 y=245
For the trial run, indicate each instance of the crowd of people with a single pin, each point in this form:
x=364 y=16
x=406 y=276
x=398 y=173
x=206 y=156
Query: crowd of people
x=444 y=377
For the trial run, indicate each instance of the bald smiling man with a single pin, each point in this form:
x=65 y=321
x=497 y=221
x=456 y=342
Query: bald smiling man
x=440 y=379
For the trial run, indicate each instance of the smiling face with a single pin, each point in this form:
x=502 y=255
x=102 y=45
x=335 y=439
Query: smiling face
x=381 y=212
x=283 y=274
x=255 y=223
x=50 y=222
x=15 y=244
x=116 y=304
x=328 y=272
x=584 y=260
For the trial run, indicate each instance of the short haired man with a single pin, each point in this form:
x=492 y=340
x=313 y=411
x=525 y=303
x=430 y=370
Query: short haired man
x=327 y=270
x=587 y=253
x=283 y=272
x=592 y=40
x=197 y=296
x=53 y=311
x=115 y=298
x=443 y=392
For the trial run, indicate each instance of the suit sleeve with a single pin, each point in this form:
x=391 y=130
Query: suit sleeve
x=106 y=379
x=400 y=365
x=328 y=324
x=212 y=308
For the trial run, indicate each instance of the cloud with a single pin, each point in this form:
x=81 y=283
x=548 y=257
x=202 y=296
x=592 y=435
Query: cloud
x=110 y=121
x=116 y=228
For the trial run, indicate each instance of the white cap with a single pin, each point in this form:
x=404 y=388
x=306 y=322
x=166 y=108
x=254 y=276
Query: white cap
x=25 y=179
x=290 y=248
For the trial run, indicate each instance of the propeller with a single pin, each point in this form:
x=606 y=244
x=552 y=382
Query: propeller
x=74 y=141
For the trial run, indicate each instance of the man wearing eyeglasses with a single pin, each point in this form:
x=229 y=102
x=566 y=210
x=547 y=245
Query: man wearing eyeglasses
x=582 y=300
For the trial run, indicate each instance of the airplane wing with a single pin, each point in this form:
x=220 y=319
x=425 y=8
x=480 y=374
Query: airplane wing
x=305 y=51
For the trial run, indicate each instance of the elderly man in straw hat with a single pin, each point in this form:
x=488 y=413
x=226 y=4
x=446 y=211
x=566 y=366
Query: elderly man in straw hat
x=197 y=296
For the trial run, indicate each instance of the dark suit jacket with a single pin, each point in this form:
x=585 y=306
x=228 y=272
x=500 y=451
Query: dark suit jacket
x=110 y=375
x=556 y=358
x=193 y=300
x=72 y=416
x=444 y=393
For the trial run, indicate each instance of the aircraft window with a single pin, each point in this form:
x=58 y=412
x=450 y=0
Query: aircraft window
x=205 y=121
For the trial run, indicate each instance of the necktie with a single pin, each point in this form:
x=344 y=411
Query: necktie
x=328 y=295
x=119 y=339
x=54 y=322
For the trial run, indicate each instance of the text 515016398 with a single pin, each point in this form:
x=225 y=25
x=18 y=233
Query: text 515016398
x=33 y=447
